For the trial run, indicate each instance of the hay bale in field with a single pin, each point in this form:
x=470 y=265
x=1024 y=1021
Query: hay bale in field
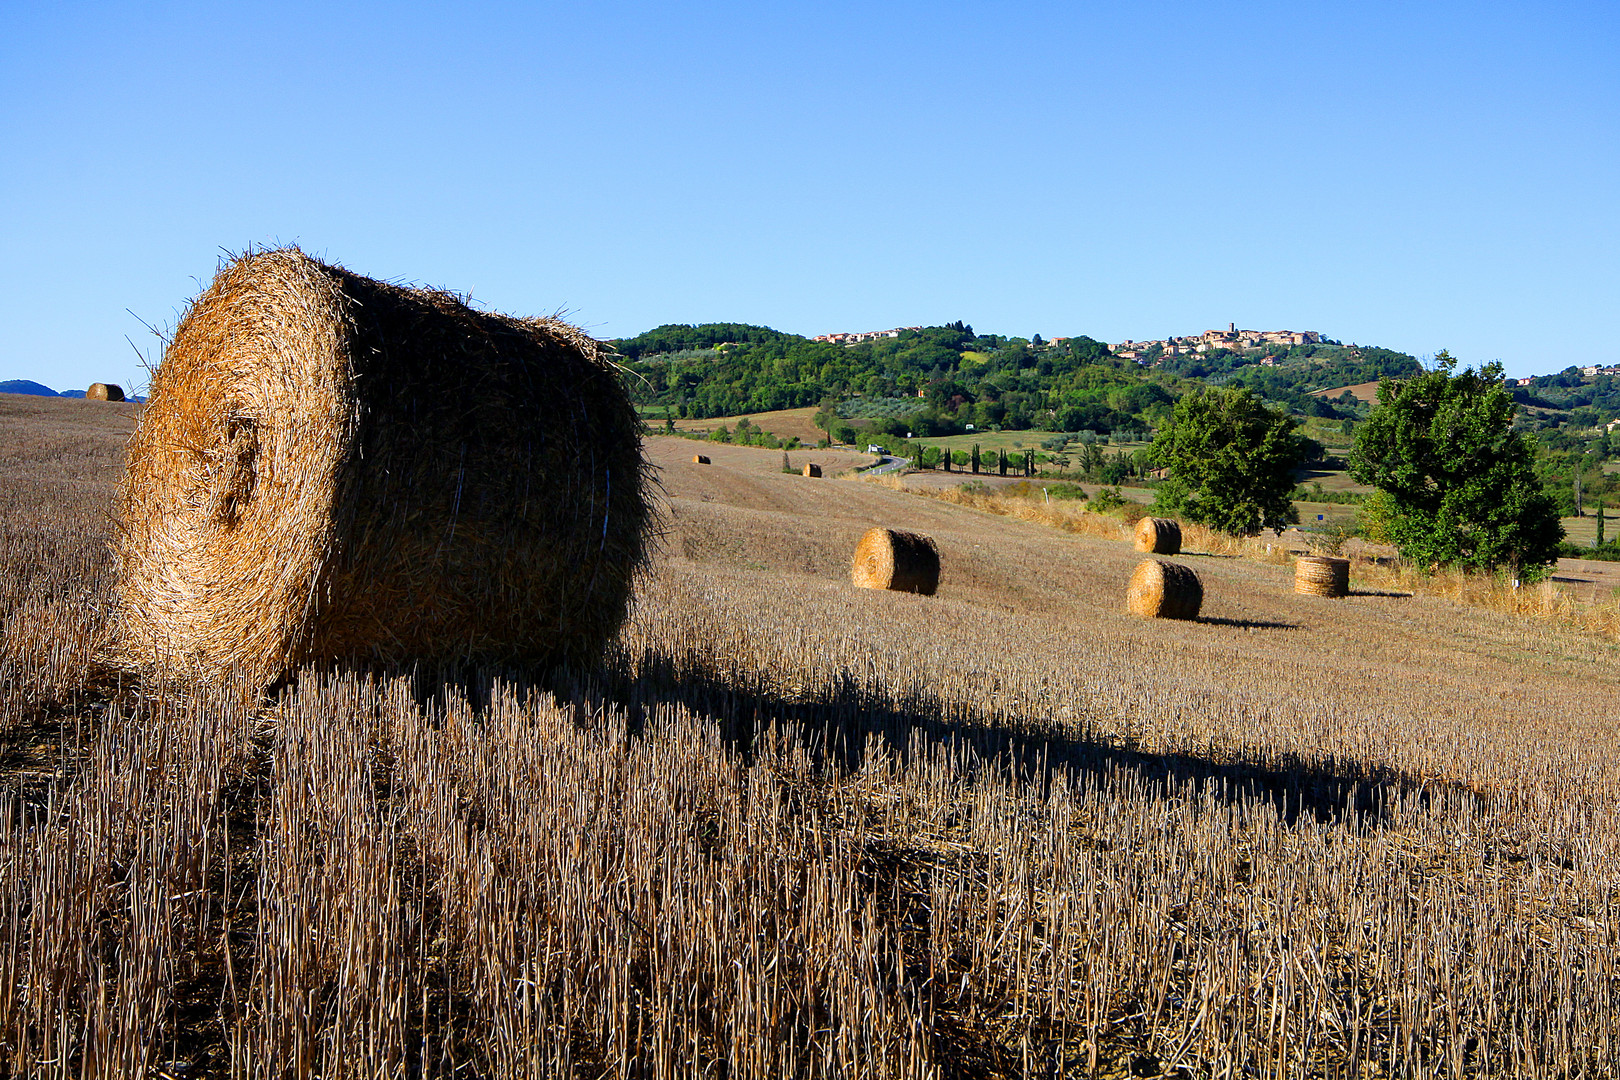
x=331 y=468
x=1322 y=575
x=1159 y=536
x=896 y=560
x=812 y=470
x=101 y=391
x=1165 y=590
x=699 y=459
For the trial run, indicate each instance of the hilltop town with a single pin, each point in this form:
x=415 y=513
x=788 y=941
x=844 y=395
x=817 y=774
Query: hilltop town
x=1231 y=339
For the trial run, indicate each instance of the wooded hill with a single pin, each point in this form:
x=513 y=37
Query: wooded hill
x=940 y=379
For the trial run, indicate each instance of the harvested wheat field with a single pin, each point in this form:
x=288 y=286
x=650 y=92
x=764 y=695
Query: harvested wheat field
x=789 y=827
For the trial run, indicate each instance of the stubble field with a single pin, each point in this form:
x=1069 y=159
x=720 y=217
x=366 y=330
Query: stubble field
x=792 y=828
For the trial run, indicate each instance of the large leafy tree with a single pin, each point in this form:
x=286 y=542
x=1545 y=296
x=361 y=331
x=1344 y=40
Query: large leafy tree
x=1232 y=462
x=1456 y=484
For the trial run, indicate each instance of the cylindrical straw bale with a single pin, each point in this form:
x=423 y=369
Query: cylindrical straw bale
x=1159 y=536
x=101 y=391
x=1165 y=590
x=1322 y=575
x=812 y=469
x=331 y=468
x=699 y=459
x=897 y=560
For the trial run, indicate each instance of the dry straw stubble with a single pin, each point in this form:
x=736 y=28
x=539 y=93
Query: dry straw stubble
x=1322 y=575
x=335 y=468
x=896 y=560
x=1164 y=590
x=1159 y=536
x=193 y=891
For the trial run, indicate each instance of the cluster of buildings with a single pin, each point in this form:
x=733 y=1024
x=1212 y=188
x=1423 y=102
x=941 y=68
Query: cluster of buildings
x=1590 y=371
x=1231 y=338
x=865 y=335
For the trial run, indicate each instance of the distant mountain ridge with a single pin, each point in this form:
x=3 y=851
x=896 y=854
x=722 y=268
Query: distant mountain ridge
x=29 y=386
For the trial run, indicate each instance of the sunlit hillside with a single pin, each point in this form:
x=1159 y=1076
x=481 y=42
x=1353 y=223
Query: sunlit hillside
x=792 y=828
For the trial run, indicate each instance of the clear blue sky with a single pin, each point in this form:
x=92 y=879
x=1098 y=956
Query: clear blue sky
x=1409 y=174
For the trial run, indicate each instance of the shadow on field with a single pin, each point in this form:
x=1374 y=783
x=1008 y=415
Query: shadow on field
x=840 y=721
x=1248 y=624
x=1380 y=592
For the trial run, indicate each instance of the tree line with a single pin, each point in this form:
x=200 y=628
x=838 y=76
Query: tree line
x=950 y=378
x=1456 y=484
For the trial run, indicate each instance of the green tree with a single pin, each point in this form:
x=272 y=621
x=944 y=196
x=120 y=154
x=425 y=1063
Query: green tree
x=1231 y=460
x=1457 y=485
x=826 y=416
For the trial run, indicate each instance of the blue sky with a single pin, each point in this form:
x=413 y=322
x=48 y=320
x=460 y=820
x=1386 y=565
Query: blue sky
x=1415 y=175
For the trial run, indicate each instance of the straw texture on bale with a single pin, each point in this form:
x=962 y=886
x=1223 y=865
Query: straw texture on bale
x=1322 y=575
x=1159 y=536
x=331 y=468
x=1165 y=590
x=100 y=391
x=896 y=560
x=699 y=459
x=812 y=470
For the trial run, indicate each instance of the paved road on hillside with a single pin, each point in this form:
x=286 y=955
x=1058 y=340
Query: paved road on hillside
x=888 y=463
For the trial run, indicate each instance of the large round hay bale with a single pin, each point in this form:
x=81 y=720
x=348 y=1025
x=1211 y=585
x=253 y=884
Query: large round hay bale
x=1322 y=575
x=101 y=391
x=812 y=470
x=331 y=468
x=1165 y=590
x=1160 y=536
x=897 y=560
x=699 y=459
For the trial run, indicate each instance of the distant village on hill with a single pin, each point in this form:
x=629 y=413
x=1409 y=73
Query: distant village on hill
x=1231 y=339
x=1147 y=352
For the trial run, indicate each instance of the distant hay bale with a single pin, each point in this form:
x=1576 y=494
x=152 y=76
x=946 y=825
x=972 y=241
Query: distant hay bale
x=896 y=560
x=1322 y=575
x=1159 y=536
x=812 y=470
x=331 y=468
x=699 y=459
x=1165 y=590
x=101 y=391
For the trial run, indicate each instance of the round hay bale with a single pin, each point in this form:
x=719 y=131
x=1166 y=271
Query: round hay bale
x=812 y=470
x=699 y=459
x=1165 y=590
x=1322 y=575
x=896 y=560
x=1159 y=536
x=101 y=391
x=331 y=468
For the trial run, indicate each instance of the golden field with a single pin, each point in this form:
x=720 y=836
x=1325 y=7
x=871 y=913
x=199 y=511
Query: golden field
x=790 y=828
